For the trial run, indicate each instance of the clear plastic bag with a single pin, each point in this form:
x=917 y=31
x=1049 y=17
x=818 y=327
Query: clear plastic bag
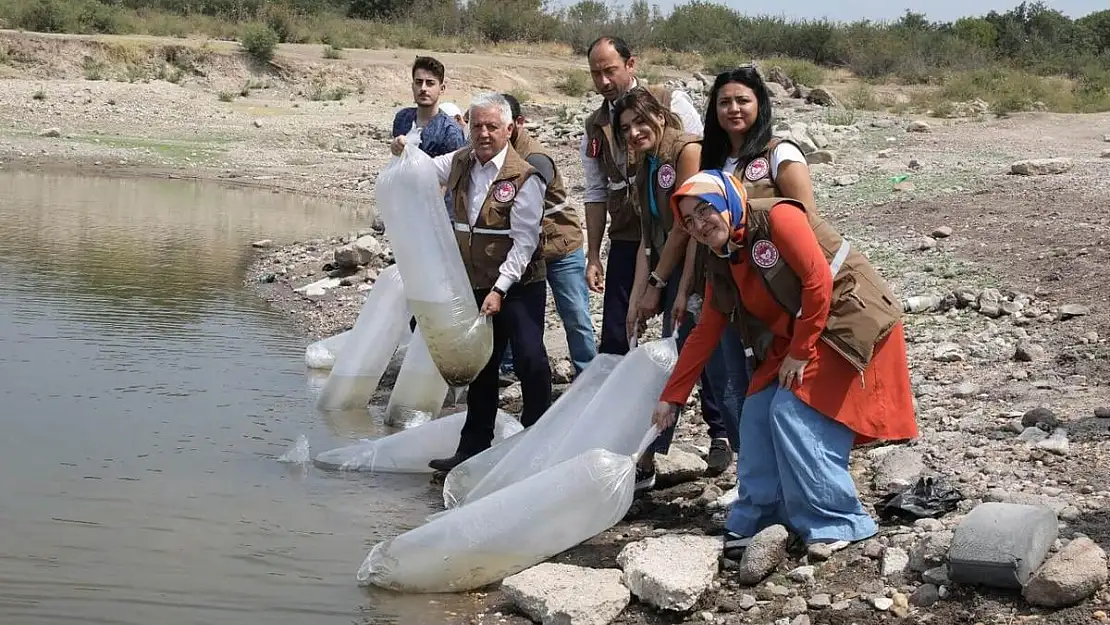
x=459 y=340
x=420 y=389
x=367 y=352
x=534 y=453
x=464 y=477
x=410 y=451
x=615 y=419
x=517 y=527
x=321 y=354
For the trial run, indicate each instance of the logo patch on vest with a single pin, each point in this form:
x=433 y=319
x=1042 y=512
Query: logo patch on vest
x=594 y=149
x=504 y=191
x=757 y=169
x=666 y=177
x=764 y=254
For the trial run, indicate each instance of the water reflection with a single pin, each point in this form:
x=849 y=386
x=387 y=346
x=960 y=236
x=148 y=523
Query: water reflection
x=144 y=399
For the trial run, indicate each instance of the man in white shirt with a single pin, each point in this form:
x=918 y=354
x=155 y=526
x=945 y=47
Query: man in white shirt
x=497 y=202
x=609 y=186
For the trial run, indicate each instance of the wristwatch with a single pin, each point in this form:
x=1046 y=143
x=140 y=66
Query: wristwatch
x=498 y=290
x=655 y=281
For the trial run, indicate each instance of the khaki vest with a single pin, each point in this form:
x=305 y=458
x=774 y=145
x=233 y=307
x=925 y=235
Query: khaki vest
x=758 y=183
x=624 y=216
x=663 y=184
x=486 y=245
x=561 y=232
x=863 y=309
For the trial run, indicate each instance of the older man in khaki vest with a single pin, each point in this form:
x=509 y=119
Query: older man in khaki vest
x=497 y=201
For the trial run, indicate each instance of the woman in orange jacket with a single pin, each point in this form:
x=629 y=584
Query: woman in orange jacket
x=808 y=402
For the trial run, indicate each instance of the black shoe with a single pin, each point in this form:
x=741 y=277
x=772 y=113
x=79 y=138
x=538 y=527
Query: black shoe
x=645 y=480
x=446 y=464
x=719 y=458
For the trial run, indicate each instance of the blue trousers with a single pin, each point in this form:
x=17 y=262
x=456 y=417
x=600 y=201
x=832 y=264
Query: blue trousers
x=793 y=470
x=567 y=279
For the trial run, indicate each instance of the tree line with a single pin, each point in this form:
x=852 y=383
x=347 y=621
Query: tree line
x=1031 y=36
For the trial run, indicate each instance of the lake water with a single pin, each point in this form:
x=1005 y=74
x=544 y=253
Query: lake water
x=145 y=395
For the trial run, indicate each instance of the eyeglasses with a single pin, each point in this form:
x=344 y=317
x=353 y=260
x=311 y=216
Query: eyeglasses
x=702 y=212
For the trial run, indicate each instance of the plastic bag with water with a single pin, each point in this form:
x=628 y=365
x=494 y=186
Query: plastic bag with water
x=410 y=451
x=533 y=453
x=615 y=419
x=420 y=390
x=360 y=364
x=515 y=528
x=321 y=354
x=459 y=340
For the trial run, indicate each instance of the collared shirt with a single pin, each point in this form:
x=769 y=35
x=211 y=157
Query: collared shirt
x=524 y=217
x=597 y=184
x=441 y=135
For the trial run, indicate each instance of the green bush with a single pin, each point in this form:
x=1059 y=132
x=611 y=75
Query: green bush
x=259 y=41
x=575 y=83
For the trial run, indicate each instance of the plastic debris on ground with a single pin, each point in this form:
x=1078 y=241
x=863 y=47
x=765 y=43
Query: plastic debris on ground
x=438 y=289
x=367 y=352
x=508 y=531
x=614 y=419
x=410 y=451
x=927 y=498
x=418 y=395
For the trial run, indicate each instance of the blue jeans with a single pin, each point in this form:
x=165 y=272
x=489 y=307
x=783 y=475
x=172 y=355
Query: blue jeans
x=567 y=279
x=727 y=374
x=724 y=382
x=794 y=471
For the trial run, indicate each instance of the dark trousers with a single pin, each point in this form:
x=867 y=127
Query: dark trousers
x=520 y=321
x=620 y=273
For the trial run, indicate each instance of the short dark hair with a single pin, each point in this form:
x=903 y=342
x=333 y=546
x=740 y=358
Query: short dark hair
x=620 y=45
x=429 y=64
x=514 y=105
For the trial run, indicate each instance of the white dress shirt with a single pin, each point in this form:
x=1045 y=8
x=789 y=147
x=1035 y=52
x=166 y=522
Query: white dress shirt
x=524 y=217
x=597 y=183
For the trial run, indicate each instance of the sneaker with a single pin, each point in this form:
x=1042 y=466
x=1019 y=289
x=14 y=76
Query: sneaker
x=645 y=480
x=719 y=458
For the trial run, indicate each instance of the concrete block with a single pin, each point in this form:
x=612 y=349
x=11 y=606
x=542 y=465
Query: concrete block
x=1001 y=544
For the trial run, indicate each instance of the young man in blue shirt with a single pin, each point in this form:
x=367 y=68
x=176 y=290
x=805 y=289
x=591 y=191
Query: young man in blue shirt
x=440 y=133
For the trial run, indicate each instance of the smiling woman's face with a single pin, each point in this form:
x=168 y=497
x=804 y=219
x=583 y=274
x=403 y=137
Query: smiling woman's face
x=703 y=222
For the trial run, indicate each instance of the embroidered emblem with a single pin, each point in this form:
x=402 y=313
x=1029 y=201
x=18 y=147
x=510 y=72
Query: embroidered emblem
x=764 y=254
x=666 y=176
x=594 y=149
x=757 y=169
x=504 y=191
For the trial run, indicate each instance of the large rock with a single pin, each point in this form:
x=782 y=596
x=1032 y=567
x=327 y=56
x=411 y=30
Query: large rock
x=561 y=594
x=763 y=555
x=1070 y=576
x=779 y=77
x=351 y=256
x=1041 y=166
x=670 y=572
x=822 y=97
x=678 y=467
x=897 y=469
x=1001 y=544
x=821 y=157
